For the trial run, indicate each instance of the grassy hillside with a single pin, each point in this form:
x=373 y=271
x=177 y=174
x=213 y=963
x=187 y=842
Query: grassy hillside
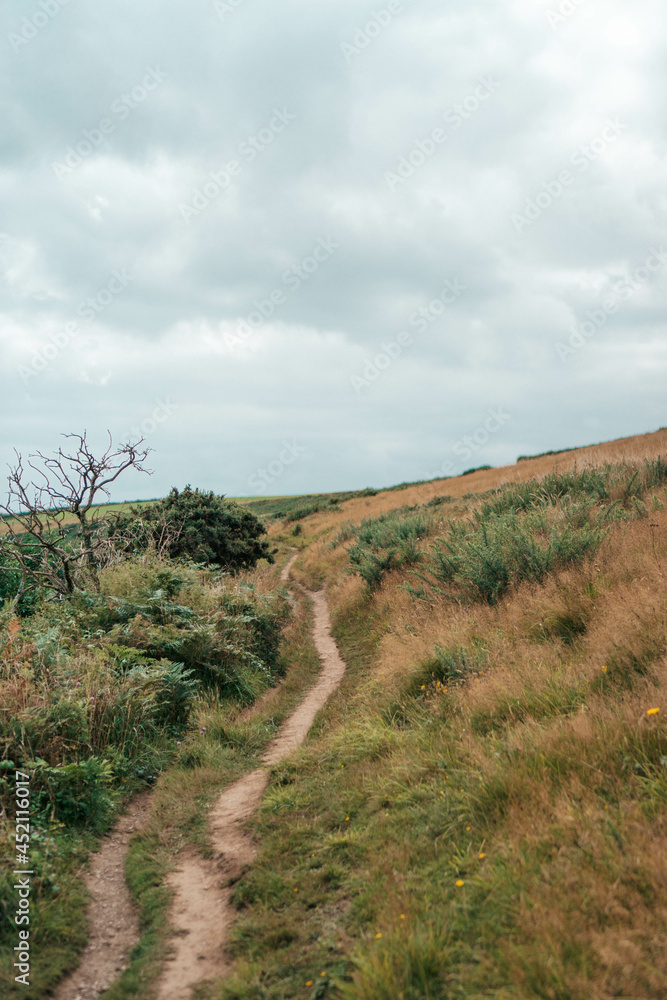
x=481 y=811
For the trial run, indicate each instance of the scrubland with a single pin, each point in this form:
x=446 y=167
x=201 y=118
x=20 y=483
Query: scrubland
x=481 y=811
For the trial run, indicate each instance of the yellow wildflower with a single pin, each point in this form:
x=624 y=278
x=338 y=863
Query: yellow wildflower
x=652 y=711
x=378 y=936
x=482 y=855
x=459 y=883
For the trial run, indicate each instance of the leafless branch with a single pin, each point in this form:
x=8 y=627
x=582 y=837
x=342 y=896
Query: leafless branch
x=53 y=534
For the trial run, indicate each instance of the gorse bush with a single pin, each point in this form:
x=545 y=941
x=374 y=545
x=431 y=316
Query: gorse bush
x=195 y=525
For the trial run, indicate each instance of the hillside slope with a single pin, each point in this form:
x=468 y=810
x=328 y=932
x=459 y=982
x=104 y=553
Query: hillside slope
x=481 y=811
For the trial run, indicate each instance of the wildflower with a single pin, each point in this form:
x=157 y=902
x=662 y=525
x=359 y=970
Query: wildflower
x=481 y=856
x=402 y=916
x=296 y=890
x=604 y=670
x=347 y=819
x=178 y=743
x=652 y=711
x=323 y=973
x=459 y=883
x=378 y=936
x=467 y=828
x=423 y=687
x=309 y=983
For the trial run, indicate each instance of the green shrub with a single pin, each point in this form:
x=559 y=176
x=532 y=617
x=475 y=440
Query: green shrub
x=480 y=560
x=197 y=525
x=476 y=468
x=77 y=794
x=384 y=543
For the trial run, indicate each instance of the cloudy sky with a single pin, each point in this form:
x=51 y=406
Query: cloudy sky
x=304 y=246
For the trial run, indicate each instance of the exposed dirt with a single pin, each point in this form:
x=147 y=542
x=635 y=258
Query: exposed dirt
x=202 y=912
x=284 y=573
x=112 y=920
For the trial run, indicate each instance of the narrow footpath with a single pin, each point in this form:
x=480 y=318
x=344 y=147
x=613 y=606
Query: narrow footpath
x=201 y=913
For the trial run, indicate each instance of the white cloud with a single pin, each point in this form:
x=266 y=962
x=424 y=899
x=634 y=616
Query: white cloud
x=171 y=331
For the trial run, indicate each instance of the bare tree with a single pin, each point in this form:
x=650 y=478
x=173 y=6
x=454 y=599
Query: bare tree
x=54 y=531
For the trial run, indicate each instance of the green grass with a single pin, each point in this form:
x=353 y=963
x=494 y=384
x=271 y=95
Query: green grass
x=100 y=695
x=182 y=799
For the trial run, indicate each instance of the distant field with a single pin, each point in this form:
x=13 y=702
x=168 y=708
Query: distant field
x=291 y=507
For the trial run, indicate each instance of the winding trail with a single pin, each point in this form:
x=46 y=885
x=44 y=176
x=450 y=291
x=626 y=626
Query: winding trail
x=202 y=912
x=112 y=917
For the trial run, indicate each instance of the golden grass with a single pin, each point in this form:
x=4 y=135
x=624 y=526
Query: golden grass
x=637 y=448
x=522 y=812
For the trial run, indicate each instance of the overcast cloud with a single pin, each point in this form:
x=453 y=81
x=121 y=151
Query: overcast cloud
x=331 y=239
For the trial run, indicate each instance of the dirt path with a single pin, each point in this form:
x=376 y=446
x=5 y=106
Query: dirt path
x=112 y=919
x=202 y=912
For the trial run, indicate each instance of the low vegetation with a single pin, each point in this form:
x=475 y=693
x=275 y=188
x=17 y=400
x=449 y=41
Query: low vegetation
x=482 y=811
x=196 y=525
x=113 y=647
